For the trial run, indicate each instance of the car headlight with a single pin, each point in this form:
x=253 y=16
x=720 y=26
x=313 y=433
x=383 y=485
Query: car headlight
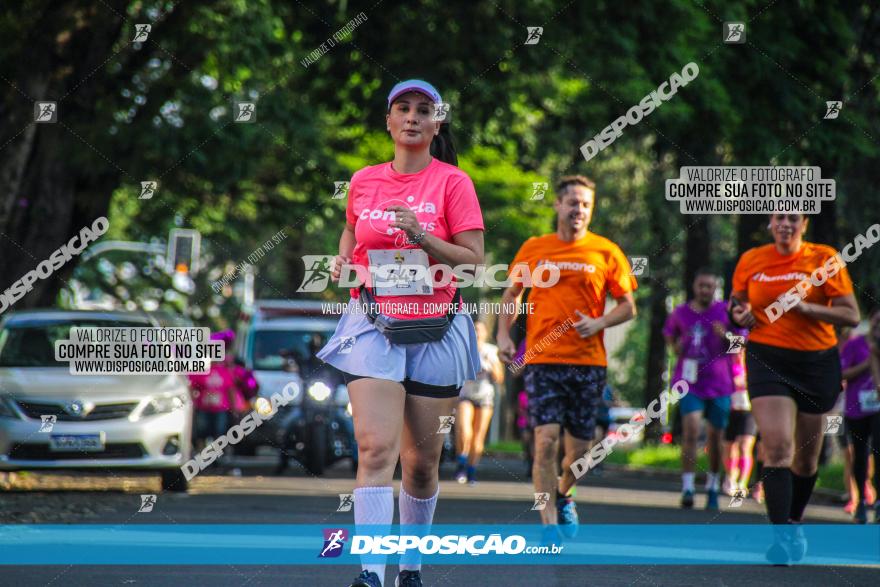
x=163 y=405
x=319 y=391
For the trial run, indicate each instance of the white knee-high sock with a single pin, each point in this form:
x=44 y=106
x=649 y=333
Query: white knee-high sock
x=374 y=506
x=415 y=511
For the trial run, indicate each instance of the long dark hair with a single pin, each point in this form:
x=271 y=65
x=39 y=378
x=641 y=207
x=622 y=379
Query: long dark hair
x=443 y=145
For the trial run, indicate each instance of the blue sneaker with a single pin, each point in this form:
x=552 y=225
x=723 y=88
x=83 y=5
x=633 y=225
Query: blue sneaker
x=366 y=579
x=777 y=554
x=550 y=535
x=687 y=499
x=796 y=544
x=408 y=579
x=567 y=516
x=789 y=545
x=460 y=468
x=712 y=500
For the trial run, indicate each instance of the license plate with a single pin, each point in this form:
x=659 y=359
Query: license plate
x=76 y=442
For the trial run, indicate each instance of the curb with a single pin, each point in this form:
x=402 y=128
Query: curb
x=820 y=494
x=827 y=496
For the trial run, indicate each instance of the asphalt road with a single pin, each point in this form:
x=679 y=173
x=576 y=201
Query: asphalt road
x=503 y=496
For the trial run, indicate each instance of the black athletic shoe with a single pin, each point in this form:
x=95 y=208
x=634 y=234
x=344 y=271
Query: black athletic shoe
x=367 y=579
x=861 y=513
x=408 y=579
x=687 y=499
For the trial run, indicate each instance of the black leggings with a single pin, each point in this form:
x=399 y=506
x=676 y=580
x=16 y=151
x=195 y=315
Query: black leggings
x=860 y=431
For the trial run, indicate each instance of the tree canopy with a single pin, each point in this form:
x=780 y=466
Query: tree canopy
x=161 y=109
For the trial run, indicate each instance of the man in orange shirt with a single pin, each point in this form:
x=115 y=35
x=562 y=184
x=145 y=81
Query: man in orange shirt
x=565 y=351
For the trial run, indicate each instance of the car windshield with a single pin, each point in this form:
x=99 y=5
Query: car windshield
x=272 y=347
x=32 y=344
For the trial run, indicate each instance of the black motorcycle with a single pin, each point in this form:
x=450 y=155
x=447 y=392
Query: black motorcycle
x=319 y=431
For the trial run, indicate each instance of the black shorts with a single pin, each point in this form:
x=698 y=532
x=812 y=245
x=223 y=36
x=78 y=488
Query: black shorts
x=415 y=387
x=811 y=378
x=741 y=423
x=568 y=395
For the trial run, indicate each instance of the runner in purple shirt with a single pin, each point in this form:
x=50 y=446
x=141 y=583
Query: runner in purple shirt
x=700 y=334
x=860 y=361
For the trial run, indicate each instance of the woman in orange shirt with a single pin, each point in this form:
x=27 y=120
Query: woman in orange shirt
x=792 y=363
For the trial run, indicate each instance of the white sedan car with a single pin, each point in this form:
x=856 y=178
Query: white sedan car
x=50 y=419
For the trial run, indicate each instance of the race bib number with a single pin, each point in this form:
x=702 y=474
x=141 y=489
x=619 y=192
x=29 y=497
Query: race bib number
x=689 y=370
x=400 y=272
x=869 y=401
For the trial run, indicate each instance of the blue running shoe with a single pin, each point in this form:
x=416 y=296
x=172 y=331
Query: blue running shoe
x=366 y=579
x=777 y=555
x=796 y=543
x=550 y=535
x=567 y=516
x=460 y=468
x=712 y=500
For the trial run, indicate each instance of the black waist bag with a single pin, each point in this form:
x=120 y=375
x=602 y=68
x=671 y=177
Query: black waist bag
x=405 y=330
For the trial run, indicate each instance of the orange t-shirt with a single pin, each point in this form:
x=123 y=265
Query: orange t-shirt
x=589 y=269
x=764 y=275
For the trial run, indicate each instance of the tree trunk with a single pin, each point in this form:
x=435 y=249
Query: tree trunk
x=697 y=250
x=45 y=198
x=660 y=276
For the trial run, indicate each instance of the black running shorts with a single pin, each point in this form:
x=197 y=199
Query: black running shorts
x=811 y=378
x=741 y=423
x=568 y=395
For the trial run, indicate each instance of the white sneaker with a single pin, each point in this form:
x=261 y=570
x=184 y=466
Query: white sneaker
x=728 y=487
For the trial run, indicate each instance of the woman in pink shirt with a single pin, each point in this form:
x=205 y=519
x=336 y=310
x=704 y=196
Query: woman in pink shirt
x=418 y=206
x=221 y=396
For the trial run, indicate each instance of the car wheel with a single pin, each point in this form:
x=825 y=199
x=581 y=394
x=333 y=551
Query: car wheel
x=316 y=450
x=174 y=480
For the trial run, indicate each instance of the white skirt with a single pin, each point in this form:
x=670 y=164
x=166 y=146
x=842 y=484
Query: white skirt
x=359 y=349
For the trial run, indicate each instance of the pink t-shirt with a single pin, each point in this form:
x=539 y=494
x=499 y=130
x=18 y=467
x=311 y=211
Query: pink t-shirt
x=211 y=390
x=445 y=203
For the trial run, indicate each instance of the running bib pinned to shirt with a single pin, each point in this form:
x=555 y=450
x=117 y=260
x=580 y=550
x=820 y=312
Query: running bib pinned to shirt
x=869 y=401
x=400 y=272
x=689 y=370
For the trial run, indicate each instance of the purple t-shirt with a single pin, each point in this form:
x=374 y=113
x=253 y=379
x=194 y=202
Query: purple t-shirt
x=704 y=362
x=861 y=393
